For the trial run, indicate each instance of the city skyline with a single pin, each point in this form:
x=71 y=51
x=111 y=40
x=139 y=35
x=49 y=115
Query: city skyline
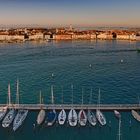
x=64 y=13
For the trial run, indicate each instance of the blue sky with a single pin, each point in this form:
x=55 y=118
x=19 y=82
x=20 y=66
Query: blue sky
x=66 y=12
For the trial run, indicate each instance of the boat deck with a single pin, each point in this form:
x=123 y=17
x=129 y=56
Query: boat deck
x=104 y=107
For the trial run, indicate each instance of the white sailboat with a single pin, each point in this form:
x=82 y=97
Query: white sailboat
x=72 y=116
x=51 y=116
x=41 y=115
x=90 y=115
x=11 y=114
x=99 y=115
x=62 y=115
x=21 y=114
x=82 y=118
x=3 y=111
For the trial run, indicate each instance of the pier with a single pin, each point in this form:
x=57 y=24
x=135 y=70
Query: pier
x=103 y=107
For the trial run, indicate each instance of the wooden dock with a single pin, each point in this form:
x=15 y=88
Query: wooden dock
x=104 y=107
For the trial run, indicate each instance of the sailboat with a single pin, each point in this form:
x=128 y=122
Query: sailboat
x=90 y=115
x=21 y=114
x=82 y=118
x=11 y=114
x=3 y=111
x=99 y=115
x=41 y=115
x=62 y=115
x=117 y=114
x=51 y=116
x=72 y=116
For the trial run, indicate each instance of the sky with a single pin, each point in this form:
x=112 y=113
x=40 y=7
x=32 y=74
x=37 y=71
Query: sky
x=70 y=12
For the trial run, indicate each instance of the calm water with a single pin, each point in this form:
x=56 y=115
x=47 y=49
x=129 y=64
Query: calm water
x=85 y=64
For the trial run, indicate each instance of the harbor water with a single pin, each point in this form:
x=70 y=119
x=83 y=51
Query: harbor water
x=112 y=66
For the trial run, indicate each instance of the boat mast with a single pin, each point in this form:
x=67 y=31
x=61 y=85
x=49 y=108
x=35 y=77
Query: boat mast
x=40 y=96
x=72 y=93
x=17 y=94
x=52 y=94
x=90 y=98
x=99 y=99
x=9 y=95
x=82 y=95
x=62 y=96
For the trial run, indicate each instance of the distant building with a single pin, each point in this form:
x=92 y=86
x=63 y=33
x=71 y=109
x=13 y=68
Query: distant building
x=37 y=36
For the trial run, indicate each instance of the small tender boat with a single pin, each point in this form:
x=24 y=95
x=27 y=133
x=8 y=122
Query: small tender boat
x=117 y=114
x=135 y=115
x=62 y=117
x=51 y=118
x=3 y=111
x=72 y=118
x=8 y=118
x=100 y=117
x=19 y=119
x=82 y=118
x=91 y=118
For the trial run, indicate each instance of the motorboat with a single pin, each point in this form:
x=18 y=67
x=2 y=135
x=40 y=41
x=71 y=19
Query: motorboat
x=19 y=119
x=41 y=117
x=62 y=117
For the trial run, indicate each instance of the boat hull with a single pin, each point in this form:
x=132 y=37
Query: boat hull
x=62 y=117
x=41 y=117
x=8 y=118
x=82 y=118
x=19 y=119
x=91 y=118
x=100 y=117
x=72 y=118
x=3 y=112
x=51 y=118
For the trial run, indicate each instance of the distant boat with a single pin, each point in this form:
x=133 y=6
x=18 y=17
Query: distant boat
x=21 y=114
x=90 y=115
x=82 y=118
x=11 y=114
x=41 y=115
x=3 y=111
x=100 y=117
x=20 y=117
x=72 y=116
x=135 y=115
x=51 y=116
x=117 y=114
x=62 y=115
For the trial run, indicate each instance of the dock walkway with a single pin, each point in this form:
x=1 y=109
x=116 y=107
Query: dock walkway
x=104 y=107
